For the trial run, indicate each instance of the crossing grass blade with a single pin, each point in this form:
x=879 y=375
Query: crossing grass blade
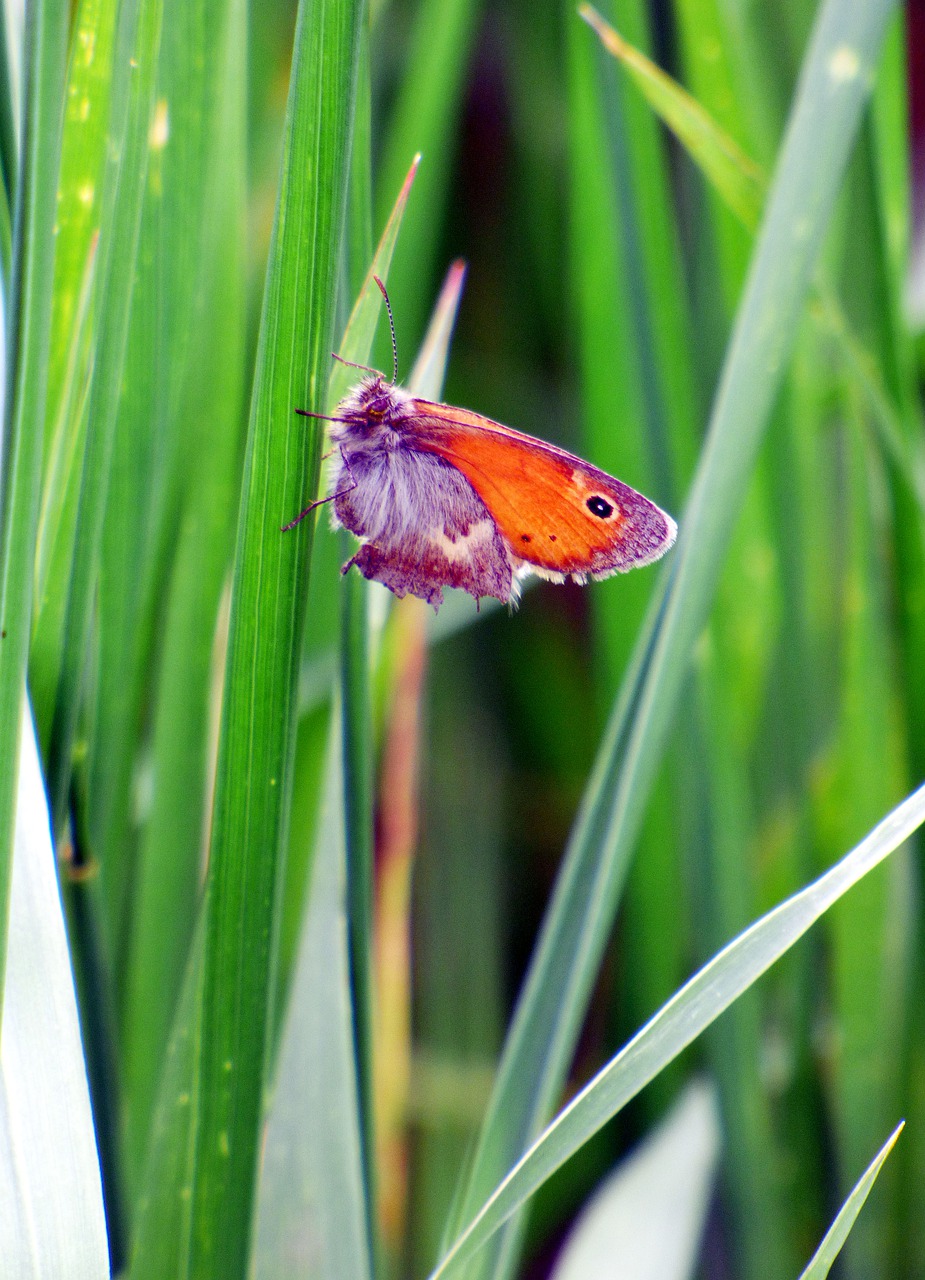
x=735 y=176
x=689 y=1012
x=833 y=86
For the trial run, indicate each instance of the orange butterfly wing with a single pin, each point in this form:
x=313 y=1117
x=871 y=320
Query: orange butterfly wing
x=555 y=511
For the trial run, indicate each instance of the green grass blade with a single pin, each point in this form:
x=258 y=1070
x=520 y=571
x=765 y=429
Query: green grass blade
x=312 y=1185
x=834 y=83
x=828 y=1251
x=357 y=341
x=324 y=1182
x=132 y=99
x=678 y=1023
x=9 y=158
x=160 y=1243
x=429 y=369
x=423 y=121
x=70 y=356
x=357 y=737
x=732 y=172
x=249 y=827
x=27 y=339
x=162 y=406
x=53 y=1222
x=867 y=767
x=359 y=245
x=641 y=405
x=167 y=872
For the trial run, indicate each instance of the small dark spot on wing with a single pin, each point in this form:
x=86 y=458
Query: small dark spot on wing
x=525 y=537
x=599 y=506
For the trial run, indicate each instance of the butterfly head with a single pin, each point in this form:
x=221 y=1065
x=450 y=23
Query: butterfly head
x=372 y=413
x=376 y=399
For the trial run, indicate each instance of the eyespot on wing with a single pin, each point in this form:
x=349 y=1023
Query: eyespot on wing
x=557 y=512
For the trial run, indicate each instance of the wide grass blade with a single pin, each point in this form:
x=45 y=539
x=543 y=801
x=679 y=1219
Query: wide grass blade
x=52 y=1221
x=249 y=827
x=834 y=83
x=678 y=1023
x=27 y=319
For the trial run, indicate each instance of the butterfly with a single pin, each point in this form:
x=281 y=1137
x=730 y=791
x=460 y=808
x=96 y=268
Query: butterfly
x=443 y=497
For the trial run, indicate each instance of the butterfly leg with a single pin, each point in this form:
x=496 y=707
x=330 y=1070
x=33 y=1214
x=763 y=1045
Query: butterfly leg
x=319 y=502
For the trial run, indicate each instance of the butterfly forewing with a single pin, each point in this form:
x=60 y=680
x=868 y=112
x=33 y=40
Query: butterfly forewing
x=555 y=511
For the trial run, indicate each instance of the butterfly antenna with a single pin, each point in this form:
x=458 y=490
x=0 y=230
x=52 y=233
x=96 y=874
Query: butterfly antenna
x=353 y=364
x=388 y=307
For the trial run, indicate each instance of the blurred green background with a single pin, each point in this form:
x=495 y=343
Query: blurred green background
x=207 y=690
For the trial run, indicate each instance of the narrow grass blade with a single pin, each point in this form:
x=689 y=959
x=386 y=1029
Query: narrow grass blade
x=427 y=375
x=70 y=355
x=678 y=1023
x=9 y=155
x=403 y=667
x=828 y=1251
x=249 y=827
x=423 y=120
x=642 y=401
x=357 y=728
x=311 y=1201
x=51 y=1221
x=319 y=1188
x=357 y=341
x=735 y=176
x=27 y=336
x=834 y=83
x=132 y=103
x=161 y=1225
